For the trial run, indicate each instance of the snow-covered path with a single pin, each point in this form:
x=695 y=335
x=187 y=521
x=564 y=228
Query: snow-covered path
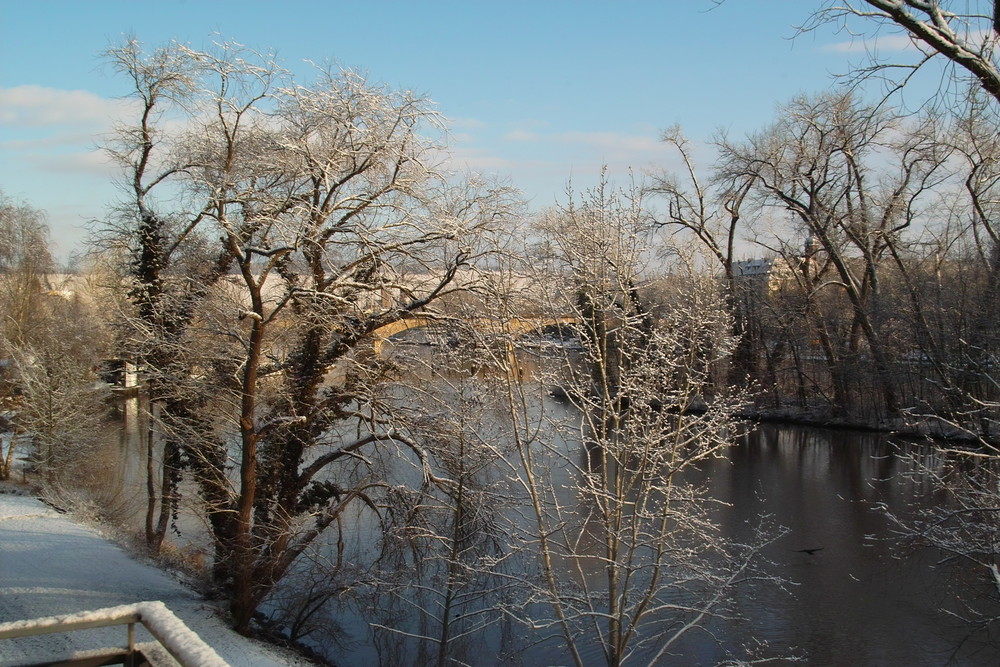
x=50 y=565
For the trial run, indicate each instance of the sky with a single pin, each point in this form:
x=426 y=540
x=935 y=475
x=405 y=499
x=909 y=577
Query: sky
x=539 y=93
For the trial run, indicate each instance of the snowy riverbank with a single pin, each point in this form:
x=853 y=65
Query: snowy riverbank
x=52 y=565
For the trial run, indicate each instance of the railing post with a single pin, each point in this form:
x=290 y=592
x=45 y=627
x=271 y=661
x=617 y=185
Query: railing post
x=130 y=660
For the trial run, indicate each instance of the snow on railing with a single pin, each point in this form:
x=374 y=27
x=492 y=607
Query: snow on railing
x=184 y=645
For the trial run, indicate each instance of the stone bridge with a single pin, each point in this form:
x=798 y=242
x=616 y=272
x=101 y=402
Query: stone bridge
x=517 y=326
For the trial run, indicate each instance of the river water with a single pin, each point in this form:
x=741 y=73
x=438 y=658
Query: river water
x=859 y=599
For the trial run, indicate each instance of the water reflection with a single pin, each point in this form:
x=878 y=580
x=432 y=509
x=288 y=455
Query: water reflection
x=857 y=600
x=852 y=602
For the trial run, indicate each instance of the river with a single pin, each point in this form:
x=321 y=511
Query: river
x=861 y=599
x=858 y=599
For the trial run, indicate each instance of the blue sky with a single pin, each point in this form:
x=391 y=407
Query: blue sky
x=538 y=92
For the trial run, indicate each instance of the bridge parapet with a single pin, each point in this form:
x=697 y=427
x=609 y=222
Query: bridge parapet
x=517 y=326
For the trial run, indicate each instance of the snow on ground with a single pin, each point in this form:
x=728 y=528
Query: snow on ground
x=51 y=565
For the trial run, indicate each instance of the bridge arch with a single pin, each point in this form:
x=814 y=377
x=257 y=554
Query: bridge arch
x=517 y=325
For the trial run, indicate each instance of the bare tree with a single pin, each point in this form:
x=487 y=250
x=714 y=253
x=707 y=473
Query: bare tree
x=626 y=557
x=443 y=565
x=152 y=242
x=61 y=402
x=711 y=212
x=978 y=249
x=24 y=263
x=962 y=34
x=50 y=343
x=820 y=162
x=957 y=317
x=335 y=217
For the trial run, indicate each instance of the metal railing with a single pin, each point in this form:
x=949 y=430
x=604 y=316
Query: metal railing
x=177 y=639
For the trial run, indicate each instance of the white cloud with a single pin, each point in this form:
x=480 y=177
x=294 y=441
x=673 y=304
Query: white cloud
x=604 y=141
x=881 y=43
x=897 y=43
x=54 y=141
x=525 y=151
x=32 y=106
x=615 y=141
x=521 y=135
x=93 y=163
x=466 y=123
x=478 y=159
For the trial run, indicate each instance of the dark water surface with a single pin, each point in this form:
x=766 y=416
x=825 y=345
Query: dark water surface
x=861 y=599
